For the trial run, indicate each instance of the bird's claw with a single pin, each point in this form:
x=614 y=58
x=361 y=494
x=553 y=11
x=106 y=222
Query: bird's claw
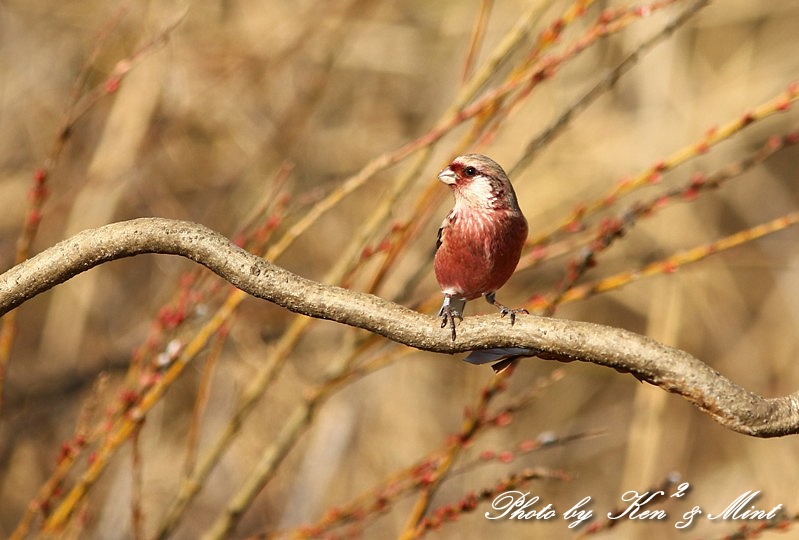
x=448 y=315
x=512 y=312
x=504 y=310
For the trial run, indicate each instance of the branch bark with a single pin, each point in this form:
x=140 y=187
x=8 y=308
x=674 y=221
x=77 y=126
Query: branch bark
x=669 y=368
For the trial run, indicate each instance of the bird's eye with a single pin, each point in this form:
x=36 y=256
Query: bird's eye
x=470 y=171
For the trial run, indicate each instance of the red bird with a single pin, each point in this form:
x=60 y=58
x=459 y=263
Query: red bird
x=480 y=241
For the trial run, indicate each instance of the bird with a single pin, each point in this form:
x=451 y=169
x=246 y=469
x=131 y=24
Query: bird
x=480 y=240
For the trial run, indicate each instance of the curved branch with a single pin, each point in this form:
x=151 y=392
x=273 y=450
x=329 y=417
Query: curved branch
x=669 y=368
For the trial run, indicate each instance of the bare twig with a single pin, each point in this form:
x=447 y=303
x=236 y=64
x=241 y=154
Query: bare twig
x=201 y=401
x=136 y=513
x=476 y=39
x=778 y=104
x=611 y=230
x=471 y=424
x=76 y=108
x=605 y=83
x=671 y=263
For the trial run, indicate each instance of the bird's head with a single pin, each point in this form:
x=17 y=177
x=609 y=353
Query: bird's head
x=479 y=182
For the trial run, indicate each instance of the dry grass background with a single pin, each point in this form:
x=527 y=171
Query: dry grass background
x=197 y=131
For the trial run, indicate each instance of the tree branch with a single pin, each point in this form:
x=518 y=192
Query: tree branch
x=671 y=369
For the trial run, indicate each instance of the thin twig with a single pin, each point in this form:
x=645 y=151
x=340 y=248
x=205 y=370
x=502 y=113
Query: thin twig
x=779 y=103
x=673 y=262
x=136 y=512
x=76 y=108
x=476 y=39
x=603 y=85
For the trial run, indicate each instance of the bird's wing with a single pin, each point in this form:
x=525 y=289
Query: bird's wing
x=442 y=231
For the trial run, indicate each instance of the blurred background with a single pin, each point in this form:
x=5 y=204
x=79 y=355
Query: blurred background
x=246 y=117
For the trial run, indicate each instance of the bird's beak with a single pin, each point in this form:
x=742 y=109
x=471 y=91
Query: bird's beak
x=447 y=176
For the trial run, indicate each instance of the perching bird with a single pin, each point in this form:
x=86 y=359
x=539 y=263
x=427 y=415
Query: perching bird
x=480 y=241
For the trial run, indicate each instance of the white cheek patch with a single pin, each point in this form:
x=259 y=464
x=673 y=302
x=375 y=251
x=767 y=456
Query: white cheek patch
x=479 y=192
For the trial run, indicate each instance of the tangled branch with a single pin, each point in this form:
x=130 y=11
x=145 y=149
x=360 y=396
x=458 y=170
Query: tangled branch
x=669 y=368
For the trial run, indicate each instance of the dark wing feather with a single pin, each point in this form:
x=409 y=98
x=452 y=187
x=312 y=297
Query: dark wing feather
x=444 y=225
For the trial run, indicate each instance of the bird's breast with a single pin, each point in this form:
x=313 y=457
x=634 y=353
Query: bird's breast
x=479 y=251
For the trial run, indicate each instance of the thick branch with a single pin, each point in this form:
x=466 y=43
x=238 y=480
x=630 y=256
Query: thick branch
x=671 y=369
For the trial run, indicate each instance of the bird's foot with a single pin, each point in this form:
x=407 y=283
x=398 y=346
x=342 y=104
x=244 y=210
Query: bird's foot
x=448 y=316
x=504 y=310
x=512 y=312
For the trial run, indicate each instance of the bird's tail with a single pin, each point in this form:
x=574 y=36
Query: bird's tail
x=499 y=358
